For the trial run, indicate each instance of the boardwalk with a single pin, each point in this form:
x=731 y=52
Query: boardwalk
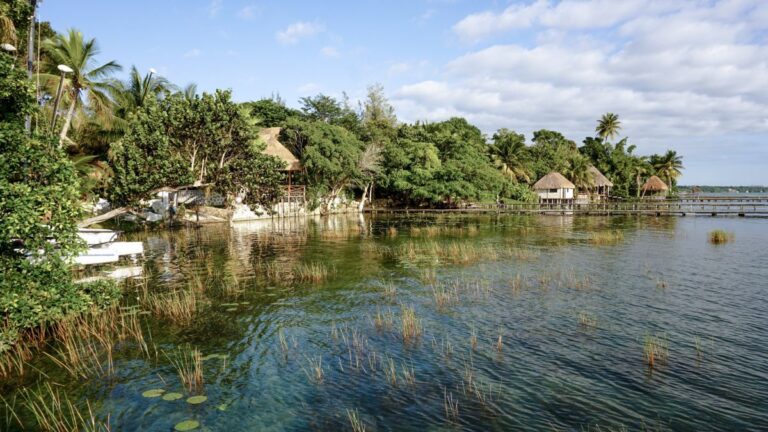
x=685 y=206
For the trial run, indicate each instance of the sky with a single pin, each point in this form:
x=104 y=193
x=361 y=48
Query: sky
x=688 y=75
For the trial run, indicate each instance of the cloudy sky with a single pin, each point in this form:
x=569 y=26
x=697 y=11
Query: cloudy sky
x=691 y=75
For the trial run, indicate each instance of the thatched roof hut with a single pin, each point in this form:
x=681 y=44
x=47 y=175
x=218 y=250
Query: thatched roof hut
x=654 y=184
x=553 y=180
x=275 y=148
x=598 y=179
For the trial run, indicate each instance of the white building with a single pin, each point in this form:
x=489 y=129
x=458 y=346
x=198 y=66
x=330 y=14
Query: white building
x=554 y=188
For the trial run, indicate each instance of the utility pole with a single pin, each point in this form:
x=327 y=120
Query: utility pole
x=31 y=55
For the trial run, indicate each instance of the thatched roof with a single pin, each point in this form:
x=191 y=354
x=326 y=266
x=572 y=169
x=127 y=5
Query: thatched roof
x=654 y=184
x=275 y=148
x=598 y=179
x=554 y=180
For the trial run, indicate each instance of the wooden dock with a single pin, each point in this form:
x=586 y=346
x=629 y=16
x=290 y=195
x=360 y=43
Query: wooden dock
x=685 y=206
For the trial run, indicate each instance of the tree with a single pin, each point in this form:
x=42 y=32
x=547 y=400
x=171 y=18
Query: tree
x=376 y=107
x=369 y=166
x=330 y=155
x=271 y=112
x=137 y=90
x=668 y=166
x=578 y=173
x=608 y=126
x=509 y=154
x=39 y=209
x=207 y=139
x=87 y=79
x=550 y=151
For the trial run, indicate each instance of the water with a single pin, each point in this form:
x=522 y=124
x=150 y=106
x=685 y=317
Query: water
x=551 y=372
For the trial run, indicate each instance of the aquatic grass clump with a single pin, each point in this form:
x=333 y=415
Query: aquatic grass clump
x=188 y=363
x=177 y=306
x=354 y=421
x=445 y=296
x=411 y=325
x=55 y=412
x=718 y=237
x=655 y=350
x=315 y=373
x=606 y=237
x=587 y=320
x=313 y=272
x=383 y=320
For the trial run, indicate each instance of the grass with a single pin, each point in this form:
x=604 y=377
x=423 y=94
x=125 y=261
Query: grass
x=606 y=237
x=587 y=320
x=720 y=237
x=445 y=296
x=313 y=272
x=411 y=325
x=315 y=373
x=383 y=320
x=450 y=405
x=177 y=306
x=655 y=350
x=354 y=421
x=189 y=366
x=53 y=411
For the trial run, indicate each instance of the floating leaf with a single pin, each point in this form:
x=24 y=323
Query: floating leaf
x=245 y=303
x=195 y=400
x=153 y=393
x=222 y=407
x=229 y=304
x=172 y=396
x=187 y=425
x=232 y=310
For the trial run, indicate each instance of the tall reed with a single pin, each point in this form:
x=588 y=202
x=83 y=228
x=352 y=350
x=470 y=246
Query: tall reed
x=411 y=325
x=188 y=363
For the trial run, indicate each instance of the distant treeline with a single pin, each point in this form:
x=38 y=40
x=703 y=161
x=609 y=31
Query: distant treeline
x=719 y=189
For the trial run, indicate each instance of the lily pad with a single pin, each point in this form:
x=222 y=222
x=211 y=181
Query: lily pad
x=187 y=425
x=222 y=407
x=172 y=396
x=195 y=400
x=153 y=393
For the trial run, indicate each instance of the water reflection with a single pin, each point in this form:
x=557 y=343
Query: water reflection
x=526 y=322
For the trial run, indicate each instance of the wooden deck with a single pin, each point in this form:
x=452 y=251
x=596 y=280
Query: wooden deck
x=754 y=207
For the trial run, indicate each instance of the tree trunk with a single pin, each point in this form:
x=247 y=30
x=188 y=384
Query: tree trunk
x=361 y=206
x=67 y=121
x=103 y=217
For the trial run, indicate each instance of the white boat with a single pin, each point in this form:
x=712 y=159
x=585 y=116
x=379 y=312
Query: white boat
x=92 y=258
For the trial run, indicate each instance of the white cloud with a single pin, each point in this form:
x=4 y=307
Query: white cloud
x=298 y=31
x=248 y=12
x=194 y=52
x=681 y=74
x=308 y=89
x=330 y=52
x=214 y=7
x=399 y=68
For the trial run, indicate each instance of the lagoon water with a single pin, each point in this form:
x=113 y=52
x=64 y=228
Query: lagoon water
x=572 y=315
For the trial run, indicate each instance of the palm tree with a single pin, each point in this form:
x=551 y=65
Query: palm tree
x=669 y=166
x=608 y=126
x=88 y=82
x=134 y=93
x=578 y=173
x=640 y=168
x=508 y=153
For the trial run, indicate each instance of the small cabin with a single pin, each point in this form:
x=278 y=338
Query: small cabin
x=600 y=189
x=291 y=192
x=654 y=188
x=554 y=188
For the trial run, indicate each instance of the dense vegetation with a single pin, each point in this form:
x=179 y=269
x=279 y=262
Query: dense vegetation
x=130 y=138
x=39 y=208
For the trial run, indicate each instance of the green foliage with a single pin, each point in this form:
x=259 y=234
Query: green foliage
x=179 y=140
x=270 y=112
x=440 y=163
x=329 y=154
x=550 y=151
x=509 y=154
x=39 y=208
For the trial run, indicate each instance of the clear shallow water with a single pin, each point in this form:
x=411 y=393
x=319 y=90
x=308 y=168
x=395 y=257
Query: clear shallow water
x=551 y=372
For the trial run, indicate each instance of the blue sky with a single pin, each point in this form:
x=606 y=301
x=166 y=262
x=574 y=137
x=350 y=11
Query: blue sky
x=685 y=74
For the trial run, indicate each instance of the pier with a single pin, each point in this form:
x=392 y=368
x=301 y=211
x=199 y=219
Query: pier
x=751 y=206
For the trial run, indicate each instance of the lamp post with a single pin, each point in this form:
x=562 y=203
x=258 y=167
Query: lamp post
x=64 y=69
